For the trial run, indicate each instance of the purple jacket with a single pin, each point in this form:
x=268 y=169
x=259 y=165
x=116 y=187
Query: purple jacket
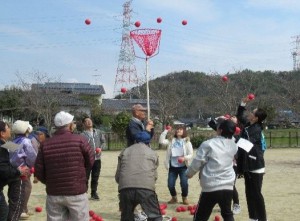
x=25 y=155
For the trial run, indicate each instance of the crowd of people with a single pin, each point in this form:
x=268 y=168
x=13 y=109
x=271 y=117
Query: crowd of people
x=57 y=159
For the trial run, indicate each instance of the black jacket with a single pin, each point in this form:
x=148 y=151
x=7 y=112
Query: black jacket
x=254 y=159
x=137 y=129
x=7 y=171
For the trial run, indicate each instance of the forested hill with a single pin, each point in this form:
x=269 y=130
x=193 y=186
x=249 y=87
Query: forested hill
x=194 y=94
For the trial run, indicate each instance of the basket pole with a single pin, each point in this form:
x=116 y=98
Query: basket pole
x=147 y=88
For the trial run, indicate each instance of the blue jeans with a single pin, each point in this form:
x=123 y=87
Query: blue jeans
x=174 y=172
x=3 y=207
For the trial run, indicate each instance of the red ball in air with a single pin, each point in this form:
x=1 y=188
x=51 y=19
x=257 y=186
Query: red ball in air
x=137 y=24
x=98 y=150
x=123 y=90
x=184 y=22
x=225 y=78
x=38 y=209
x=251 y=96
x=87 y=21
x=159 y=20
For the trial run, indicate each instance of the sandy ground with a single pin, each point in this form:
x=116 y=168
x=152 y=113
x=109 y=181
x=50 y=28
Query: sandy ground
x=280 y=188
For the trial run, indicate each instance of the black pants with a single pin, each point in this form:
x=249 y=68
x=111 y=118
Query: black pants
x=95 y=174
x=207 y=202
x=254 y=197
x=15 y=194
x=130 y=198
x=3 y=207
x=235 y=197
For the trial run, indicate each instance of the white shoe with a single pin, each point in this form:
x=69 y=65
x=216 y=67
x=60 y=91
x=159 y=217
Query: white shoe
x=24 y=216
x=236 y=209
x=140 y=216
x=253 y=219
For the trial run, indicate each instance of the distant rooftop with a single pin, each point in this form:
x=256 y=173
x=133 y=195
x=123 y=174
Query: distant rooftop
x=80 y=88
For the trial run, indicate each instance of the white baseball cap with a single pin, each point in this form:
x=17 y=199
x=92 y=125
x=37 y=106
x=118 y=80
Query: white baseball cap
x=20 y=127
x=63 y=118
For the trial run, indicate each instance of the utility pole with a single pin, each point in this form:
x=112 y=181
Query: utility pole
x=126 y=76
x=296 y=53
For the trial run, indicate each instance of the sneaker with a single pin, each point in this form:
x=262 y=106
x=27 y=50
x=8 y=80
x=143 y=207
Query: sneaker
x=24 y=216
x=236 y=209
x=94 y=196
x=140 y=216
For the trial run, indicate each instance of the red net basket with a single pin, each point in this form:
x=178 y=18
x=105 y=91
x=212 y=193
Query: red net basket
x=147 y=39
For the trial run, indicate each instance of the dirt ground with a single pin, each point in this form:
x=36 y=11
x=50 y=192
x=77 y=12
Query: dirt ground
x=280 y=188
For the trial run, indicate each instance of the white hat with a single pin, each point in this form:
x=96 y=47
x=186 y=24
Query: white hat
x=63 y=118
x=20 y=127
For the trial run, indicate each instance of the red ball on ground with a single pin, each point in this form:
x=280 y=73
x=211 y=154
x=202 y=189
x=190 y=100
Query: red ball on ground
x=178 y=209
x=184 y=22
x=38 y=209
x=137 y=24
x=217 y=218
x=91 y=212
x=87 y=21
x=190 y=207
x=99 y=218
x=163 y=212
x=163 y=206
x=192 y=211
x=251 y=96
x=174 y=218
x=183 y=208
x=225 y=78
x=94 y=216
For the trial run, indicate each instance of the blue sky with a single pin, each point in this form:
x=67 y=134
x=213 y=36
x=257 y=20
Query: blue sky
x=221 y=36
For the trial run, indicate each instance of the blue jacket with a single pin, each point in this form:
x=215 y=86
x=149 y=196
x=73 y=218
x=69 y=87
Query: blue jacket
x=136 y=132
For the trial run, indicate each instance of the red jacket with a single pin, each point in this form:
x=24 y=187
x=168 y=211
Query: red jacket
x=62 y=162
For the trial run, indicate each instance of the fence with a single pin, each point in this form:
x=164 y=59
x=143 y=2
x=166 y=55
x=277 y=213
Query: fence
x=274 y=138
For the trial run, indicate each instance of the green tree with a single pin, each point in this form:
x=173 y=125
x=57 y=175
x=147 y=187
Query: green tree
x=120 y=124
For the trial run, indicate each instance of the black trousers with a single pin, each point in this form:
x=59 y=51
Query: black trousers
x=95 y=174
x=207 y=202
x=16 y=192
x=3 y=207
x=131 y=197
x=254 y=197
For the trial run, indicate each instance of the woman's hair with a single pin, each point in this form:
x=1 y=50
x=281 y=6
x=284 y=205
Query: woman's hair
x=184 y=134
x=3 y=126
x=261 y=115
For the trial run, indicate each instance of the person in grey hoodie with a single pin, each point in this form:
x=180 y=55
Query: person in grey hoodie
x=214 y=161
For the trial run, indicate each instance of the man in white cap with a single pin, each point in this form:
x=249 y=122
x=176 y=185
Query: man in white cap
x=61 y=165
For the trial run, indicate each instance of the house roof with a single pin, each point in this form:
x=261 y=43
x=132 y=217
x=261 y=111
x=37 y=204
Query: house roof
x=79 y=88
x=126 y=104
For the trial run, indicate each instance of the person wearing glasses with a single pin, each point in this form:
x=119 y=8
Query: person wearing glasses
x=139 y=128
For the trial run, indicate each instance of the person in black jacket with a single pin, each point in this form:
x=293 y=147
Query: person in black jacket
x=8 y=173
x=251 y=164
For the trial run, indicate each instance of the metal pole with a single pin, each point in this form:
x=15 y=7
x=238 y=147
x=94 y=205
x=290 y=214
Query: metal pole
x=147 y=85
